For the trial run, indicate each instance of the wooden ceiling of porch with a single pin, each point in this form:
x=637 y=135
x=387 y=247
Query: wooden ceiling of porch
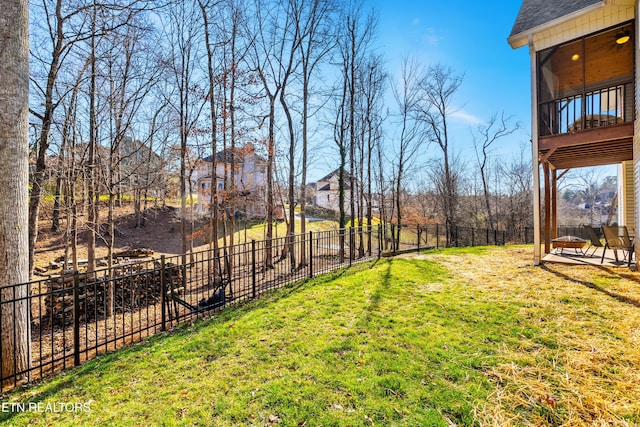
x=597 y=147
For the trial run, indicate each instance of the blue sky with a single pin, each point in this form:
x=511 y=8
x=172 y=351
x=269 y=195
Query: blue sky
x=471 y=38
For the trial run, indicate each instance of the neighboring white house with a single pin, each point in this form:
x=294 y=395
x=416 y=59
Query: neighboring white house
x=250 y=175
x=327 y=191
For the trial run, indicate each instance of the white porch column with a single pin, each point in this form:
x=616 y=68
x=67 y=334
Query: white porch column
x=537 y=258
x=636 y=135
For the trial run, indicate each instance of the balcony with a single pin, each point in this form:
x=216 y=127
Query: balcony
x=603 y=107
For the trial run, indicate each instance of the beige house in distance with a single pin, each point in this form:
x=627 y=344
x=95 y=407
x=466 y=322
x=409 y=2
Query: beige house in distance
x=584 y=55
x=250 y=177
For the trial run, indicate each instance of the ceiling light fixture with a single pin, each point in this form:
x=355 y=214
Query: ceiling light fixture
x=623 y=37
x=575 y=57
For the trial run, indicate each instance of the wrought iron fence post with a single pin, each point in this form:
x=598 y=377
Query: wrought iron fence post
x=437 y=237
x=341 y=240
x=473 y=236
x=163 y=294
x=310 y=254
x=351 y=243
x=379 y=233
x=253 y=268
x=418 y=238
x=76 y=318
x=393 y=239
x=495 y=237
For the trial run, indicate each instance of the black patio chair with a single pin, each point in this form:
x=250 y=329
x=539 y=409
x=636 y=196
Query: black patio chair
x=594 y=240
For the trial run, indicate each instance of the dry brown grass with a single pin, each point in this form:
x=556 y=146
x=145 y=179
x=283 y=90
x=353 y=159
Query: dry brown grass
x=579 y=362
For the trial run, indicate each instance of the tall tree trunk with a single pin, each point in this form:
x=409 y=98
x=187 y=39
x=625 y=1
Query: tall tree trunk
x=92 y=220
x=268 y=253
x=339 y=136
x=233 y=135
x=55 y=220
x=303 y=176
x=43 y=140
x=290 y=245
x=398 y=203
x=14 y=184
x=361 y=196
x=227 y=187
x=213 y=189
x=351 y=25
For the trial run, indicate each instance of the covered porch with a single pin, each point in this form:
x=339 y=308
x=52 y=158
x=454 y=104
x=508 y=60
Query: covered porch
x=583 y=92
x=572 y=257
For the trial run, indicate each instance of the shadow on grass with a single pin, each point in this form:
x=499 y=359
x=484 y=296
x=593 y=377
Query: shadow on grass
x=627 y=276
x=378 y=292
x=52 y=386
x=595 y=287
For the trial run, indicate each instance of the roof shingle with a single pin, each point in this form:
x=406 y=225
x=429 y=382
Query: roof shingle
x=534 y=13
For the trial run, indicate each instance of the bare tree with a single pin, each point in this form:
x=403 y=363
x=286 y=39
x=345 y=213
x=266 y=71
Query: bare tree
x=92 y=217
x=353 y=45
x=314 y=26
x=355 y=42
x=69 y=166
x=587 y=183
x=61 y=42
x=131 y=74
x=235 y=80
x=366 y=110
x=373 y=91
x=439 y=85
x=14 y=179
x=340 y=132
x=447 y=180
x=519 y=183
x=183 y=36
x=483 y=141
x=67 y=24
x=271 y=47
x=413 y=135
x=340 y=126
x=147 y=173
x=213 y=111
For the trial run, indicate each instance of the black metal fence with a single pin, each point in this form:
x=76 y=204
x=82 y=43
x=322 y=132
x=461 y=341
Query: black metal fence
x=78 y=315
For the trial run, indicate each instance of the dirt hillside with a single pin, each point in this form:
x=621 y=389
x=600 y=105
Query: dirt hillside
x=160 y=232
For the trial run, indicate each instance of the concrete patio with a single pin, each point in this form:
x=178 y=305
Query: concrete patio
x=570 y=256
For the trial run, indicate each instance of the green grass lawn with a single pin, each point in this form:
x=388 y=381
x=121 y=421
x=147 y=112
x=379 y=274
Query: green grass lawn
x=256 y=230
x=454 y=337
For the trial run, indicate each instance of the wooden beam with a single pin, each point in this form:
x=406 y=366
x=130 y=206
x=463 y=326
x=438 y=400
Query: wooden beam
x=545 y=157
x=604 y=135
x=564 y=172
x=547 y=208
x=554 y=203
x=595 y=154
